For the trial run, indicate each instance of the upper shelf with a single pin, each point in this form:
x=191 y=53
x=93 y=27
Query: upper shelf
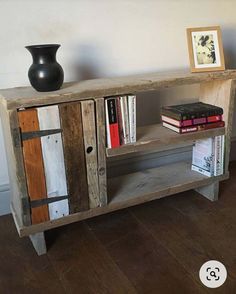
x=27 y=96
x=157 y=138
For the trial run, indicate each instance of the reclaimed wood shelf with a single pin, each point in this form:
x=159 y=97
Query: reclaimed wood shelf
x=54 y=120
x=156 y=137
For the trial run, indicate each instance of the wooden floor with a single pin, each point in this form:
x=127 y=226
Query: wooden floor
x=153 y=248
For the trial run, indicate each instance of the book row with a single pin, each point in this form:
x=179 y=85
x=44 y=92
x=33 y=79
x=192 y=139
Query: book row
x=208 y=156
x=120 y=120
x=192 y=117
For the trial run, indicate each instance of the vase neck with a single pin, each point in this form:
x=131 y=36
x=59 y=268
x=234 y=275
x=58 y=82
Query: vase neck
x=43 y=54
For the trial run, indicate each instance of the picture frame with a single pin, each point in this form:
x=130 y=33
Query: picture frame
x=205 y=49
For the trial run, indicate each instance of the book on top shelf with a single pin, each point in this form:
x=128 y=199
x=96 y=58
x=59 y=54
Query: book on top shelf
x=120 y=120
x=191 y=111
x=202 y=127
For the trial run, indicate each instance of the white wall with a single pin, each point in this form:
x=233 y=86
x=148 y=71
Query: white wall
x=107 y=38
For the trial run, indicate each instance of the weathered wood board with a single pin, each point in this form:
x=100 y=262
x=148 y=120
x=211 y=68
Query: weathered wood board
x=74 y=154
x=34 y=167
x=28 y=97
x=90 y=146
x=53 y=159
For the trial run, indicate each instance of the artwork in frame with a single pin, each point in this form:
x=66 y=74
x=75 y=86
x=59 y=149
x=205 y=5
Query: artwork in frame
x=205 y=49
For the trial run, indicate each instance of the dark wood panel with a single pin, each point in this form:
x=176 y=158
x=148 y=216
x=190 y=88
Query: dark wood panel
x=73 y=144
x=34 y=167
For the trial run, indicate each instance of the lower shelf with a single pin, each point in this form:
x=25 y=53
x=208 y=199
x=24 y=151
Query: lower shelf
x=132 y=189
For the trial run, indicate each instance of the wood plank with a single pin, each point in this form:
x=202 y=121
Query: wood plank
x=33 y=161
x=90 y=146
x=27 y=96
x=182 y=179
x=101 y=146
x=53 y=159
x=222 y=94
x=73 y=144
x=39 y=243
x=16 y=171
x=158 y=138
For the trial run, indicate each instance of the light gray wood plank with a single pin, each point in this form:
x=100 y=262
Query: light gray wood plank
x=210 y=192
x=53 y=159
x=27 y=96
x=164 y=181
x=222 y=94
x=90 y=147
x=158 y=138
x=101 y=147
x=38 y=241
x=16 y=171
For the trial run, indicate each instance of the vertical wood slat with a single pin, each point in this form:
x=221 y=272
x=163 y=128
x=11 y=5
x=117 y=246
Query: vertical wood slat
x=221 y=93
x=101 y=149
x=33 y=162
x=53 y=158
x=89 y=133
x=16 y=171
x=73 y=144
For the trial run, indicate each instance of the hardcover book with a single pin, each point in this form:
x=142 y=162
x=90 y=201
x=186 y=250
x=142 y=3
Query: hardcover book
x=191 y=111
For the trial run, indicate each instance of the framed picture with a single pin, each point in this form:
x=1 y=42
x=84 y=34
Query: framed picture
x=205 y=49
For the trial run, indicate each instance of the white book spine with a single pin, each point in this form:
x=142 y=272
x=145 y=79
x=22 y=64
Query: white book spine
x=203 y=156
x=217 y=156
x=125 y=120
x=107 y=126
x=222 y=154
x=132 y=117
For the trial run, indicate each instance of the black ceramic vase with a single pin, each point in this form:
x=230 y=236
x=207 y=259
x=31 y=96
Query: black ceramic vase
x=45 y=74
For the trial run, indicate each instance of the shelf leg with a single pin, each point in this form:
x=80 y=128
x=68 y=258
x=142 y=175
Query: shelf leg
x=210 y=191
x=38 y=241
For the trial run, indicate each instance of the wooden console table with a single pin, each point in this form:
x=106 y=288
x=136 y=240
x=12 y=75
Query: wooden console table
x=75 y=116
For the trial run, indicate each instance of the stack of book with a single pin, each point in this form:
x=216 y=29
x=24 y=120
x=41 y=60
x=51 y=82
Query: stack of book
x=192 y=117
x=208 y=156
x=120 y=120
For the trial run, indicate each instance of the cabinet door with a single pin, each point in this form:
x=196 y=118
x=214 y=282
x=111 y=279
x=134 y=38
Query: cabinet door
x=60 y=158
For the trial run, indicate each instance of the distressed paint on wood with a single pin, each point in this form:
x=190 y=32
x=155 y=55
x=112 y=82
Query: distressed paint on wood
x=90 y=146
x=73 y=145
x=53 y=158
x=33 y=161
x=101 y=148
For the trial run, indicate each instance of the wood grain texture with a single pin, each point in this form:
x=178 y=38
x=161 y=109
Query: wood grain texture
x=27 y=96
x=133 y=189
x=90 y=146
x=53 y=158
x=222 y=94
x=73 y=144
x=101 y=147
x=158 y=138
x=16 y=171
x=33 y=161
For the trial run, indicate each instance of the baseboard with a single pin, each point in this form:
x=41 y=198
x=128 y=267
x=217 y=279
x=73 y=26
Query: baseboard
x=4 y=201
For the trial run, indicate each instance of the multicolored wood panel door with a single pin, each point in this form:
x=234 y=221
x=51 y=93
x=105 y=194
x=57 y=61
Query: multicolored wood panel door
x=60 y=158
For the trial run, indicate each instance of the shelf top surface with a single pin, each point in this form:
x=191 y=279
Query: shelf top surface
x=28 y=97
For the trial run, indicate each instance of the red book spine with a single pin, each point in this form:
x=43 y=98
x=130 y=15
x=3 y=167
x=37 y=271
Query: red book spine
x=219 y=124
x=120 y=118
x=113 y=122
x=214 y=118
